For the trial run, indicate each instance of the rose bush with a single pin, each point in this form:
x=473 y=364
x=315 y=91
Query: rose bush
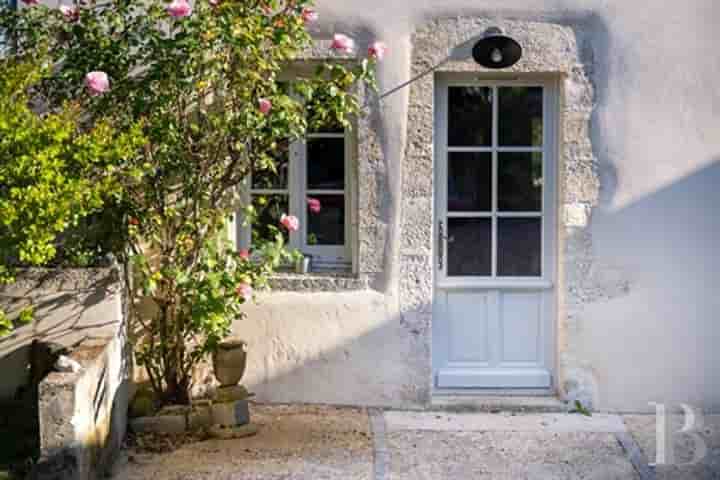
x=203 y=82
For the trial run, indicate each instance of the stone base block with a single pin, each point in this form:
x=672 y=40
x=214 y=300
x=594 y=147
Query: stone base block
x=200 y=417
x=230 y=414
x=167 y=424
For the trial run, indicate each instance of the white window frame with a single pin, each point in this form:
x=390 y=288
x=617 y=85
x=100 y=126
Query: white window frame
x=547 y=213
x=324 y=257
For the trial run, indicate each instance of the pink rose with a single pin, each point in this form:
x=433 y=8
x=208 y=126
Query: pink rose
x=342 y=43
x=97 y=83
x=70 y=12
x=377 y=50
x=264 y=105
x=309 y=15
x=314 y=205
x=244 y=253
x=244 y=290
x=214 y=3
x=290 y=222
x=179 y=9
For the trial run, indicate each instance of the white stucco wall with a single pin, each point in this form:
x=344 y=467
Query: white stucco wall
x=347 y=348
x=650 y=332
x=647 y=329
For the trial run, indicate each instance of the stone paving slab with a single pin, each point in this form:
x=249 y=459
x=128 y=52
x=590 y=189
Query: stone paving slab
x=643 y=429
x=498 y=455
x=504 y=422
x=293 y=443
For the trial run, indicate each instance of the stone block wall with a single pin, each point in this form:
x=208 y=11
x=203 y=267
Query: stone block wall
x=82 y=414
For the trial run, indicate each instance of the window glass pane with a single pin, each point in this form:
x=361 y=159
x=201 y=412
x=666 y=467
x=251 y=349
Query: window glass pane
x=326 y=164
x=469 y=116
x=469 y=246
x=469 y=182
x=520 y=182
x=266 y=224
x=269 y=179
x=520 y=115
x=519 y=246
x=326 y=220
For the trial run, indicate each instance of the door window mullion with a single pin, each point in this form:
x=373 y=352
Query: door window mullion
x=495 y=114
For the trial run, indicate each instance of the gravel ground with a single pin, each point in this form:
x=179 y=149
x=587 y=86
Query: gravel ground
x=293 y=442
x=320 y=442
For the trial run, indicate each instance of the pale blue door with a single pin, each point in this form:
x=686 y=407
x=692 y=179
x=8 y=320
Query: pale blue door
x=495 y=248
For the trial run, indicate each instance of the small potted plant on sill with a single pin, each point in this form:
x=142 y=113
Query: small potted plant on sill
x=303 y=262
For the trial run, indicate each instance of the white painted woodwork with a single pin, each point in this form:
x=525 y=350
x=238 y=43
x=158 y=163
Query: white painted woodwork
x=493 y=332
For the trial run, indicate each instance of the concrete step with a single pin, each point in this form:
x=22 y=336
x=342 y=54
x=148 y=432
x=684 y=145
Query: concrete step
x=496 y=404
x=503 y=422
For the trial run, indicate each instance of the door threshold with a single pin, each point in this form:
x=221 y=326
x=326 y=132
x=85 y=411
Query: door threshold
x=495 y=402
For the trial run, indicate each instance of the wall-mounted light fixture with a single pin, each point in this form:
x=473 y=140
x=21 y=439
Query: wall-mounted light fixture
x=496 y=50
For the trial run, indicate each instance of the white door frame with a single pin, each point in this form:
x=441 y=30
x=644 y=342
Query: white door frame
x=486 y=286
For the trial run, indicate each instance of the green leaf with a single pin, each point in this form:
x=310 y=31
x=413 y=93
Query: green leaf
x=579 y=408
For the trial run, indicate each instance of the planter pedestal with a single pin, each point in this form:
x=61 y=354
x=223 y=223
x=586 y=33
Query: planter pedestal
x=231 y=407
x=230 y=410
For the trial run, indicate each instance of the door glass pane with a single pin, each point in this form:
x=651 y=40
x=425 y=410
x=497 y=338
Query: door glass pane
x=266 y=224
x=469 y=116
x=263 y=178
x=326 y=164
x=326 y=220
x=520 y=115
x=519 y=247
x=520 y=182
x=469 y=182
x=469 y=247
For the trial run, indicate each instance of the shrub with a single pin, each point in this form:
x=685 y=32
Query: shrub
x=53 y=174
x=204 y=82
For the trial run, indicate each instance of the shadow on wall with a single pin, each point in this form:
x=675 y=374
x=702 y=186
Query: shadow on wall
x=340 y=348
x=74 y=421
x=63 y=319
x=649 y=329
x=659 y=341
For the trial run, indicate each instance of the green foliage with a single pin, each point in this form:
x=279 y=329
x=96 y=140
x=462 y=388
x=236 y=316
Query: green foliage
x=195 y=84
x=52 y=174
x=7 y=325
x=580 y=408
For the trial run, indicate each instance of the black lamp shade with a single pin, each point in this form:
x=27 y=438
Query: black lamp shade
x=510 y=51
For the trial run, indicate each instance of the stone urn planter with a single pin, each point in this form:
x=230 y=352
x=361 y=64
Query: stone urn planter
x=229 y=362
x=230 y=409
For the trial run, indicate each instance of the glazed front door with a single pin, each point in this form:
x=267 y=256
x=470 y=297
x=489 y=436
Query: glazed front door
x=495 y=234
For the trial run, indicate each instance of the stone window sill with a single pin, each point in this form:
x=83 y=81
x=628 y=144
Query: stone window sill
x=317 y=282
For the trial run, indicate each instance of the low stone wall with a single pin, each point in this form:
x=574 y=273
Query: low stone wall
x=82 y=412
x=83 y=415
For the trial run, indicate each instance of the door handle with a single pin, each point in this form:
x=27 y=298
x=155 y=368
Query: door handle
x=441 y=244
